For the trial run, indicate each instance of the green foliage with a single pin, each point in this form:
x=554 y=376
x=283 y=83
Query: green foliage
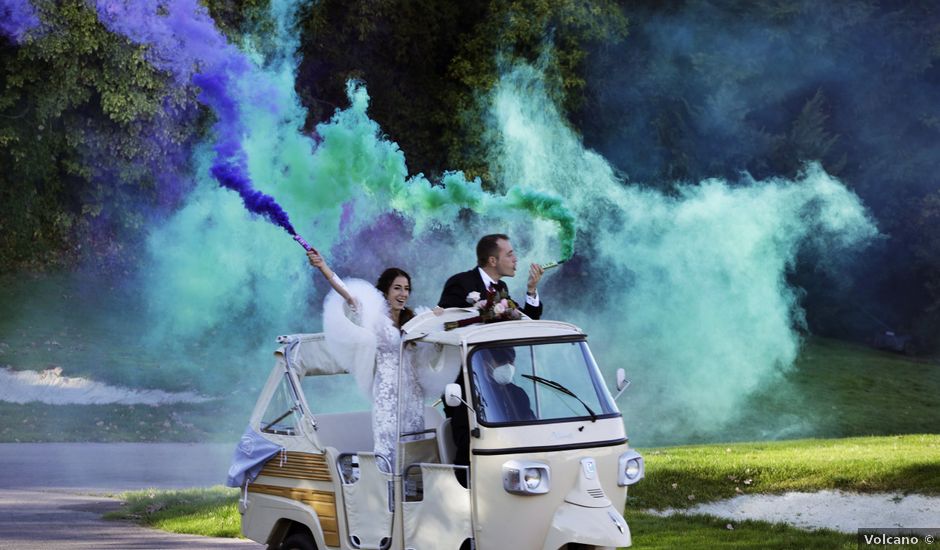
x=79 y=116
x=523 y=30
x=233 y=17
x=928 y=249
x=427 y=64
x=401 y=50
x=927 y=252
x=809 y=138
x=88 y=126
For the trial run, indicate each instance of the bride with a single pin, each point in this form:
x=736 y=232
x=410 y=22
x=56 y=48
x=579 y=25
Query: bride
x=363 y=328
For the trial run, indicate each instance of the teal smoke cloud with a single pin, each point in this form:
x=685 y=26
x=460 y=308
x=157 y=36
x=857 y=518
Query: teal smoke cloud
x=687 y=290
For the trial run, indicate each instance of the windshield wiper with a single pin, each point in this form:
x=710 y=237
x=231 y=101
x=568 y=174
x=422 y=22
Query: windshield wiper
x=555 y=385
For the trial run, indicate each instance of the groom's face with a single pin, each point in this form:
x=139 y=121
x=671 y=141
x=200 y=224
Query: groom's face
x=506 y=260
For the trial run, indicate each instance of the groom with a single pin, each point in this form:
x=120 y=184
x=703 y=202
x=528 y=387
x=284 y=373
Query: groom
x=495 y=259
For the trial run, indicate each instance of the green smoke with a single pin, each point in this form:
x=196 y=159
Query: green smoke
x=549 y=206
x=218 y=275
x=359 y=160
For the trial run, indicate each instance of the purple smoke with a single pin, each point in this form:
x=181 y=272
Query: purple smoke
x=389 y=238
x=17 y=17
x=182 y=39
x=180 y=36
x=229 y=170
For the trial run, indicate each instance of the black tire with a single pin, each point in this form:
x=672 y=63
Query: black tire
x=299 y=541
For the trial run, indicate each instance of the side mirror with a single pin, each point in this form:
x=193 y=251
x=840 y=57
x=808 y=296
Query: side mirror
x=453 y=395
x=622 y=383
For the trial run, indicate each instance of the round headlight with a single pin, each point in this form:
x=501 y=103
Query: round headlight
x=632 y=468
x=533 y=478
x=526 y=477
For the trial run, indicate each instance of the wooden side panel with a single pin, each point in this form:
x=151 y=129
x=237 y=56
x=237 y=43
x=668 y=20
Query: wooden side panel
x=322 y=502
x=298 y=466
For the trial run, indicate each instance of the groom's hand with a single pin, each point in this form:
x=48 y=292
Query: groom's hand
x=535 y=274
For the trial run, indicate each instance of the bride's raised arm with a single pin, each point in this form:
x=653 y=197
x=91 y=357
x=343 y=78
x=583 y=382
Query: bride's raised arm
x=316 y=260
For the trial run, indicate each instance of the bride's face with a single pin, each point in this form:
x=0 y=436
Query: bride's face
x=398 y=293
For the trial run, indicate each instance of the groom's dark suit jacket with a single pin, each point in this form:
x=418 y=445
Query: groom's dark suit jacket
x=457 y=287
x=455 y=295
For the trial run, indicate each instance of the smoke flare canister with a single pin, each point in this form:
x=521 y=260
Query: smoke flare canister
x=551 y=265
x=303 y=243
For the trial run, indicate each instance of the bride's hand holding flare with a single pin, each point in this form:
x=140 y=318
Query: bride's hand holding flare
x=317 y=261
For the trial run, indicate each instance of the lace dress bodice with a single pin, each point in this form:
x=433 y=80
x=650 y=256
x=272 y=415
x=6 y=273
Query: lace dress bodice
x=385 y=392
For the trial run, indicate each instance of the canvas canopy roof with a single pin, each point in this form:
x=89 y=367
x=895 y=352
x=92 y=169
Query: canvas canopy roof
x=429 y=327
x=308 y=354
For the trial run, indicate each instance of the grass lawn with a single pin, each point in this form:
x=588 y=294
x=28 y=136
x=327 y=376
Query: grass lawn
x=651 y=532
x=680 y=477
x=211 y=512
x=840 y=389
x=834 y=389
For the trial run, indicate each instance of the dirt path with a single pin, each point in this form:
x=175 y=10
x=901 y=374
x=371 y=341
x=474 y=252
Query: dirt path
x=52 y=495
x=44 y=520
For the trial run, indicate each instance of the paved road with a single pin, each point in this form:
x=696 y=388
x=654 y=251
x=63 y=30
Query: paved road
x=52 y=495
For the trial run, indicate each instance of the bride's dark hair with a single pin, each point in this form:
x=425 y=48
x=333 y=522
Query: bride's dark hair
x=385 y=282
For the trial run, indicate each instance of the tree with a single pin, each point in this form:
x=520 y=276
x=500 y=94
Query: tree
x=91 y=137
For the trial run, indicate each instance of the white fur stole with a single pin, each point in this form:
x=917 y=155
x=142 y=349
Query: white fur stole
x=351 y=335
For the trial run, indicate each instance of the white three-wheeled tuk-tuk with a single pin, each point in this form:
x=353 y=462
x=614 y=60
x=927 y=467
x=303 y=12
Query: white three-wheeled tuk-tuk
x=549 y=463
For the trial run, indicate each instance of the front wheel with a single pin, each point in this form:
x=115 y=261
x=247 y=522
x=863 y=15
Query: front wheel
x=299 y=541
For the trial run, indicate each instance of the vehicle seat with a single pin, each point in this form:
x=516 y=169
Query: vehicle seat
x=445 y=442
x=349 y=432
x=432 y=418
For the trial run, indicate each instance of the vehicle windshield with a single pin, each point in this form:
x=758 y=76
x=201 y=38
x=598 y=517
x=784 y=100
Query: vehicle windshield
x=538 y=382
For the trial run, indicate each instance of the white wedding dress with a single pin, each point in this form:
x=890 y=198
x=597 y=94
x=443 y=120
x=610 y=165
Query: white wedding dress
x=368 y=343
x=385 y=392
